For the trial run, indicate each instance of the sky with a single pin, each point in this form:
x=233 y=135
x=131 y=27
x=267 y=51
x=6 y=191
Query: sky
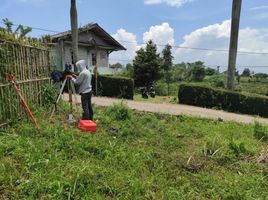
x=202 y=24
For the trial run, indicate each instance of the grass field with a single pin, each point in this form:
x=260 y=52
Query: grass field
x=134 y=156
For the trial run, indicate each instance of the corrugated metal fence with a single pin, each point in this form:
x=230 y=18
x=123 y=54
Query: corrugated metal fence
x=31 y=68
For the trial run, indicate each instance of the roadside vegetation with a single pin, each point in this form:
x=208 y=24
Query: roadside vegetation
x=197 y=73
x=134 y=155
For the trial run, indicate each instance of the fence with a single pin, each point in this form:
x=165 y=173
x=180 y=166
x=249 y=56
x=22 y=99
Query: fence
x=31 y=68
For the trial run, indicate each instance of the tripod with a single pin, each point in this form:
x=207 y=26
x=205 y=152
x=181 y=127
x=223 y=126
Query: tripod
x=71 y=91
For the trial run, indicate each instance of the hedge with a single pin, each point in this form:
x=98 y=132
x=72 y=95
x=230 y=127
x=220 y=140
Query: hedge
x=208 y=97
x=112 y=86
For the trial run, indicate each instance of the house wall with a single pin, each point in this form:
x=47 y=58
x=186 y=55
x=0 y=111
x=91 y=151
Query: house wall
x=102 y=57
x=84 y=53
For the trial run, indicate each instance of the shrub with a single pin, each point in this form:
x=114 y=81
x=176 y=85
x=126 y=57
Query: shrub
x=217 y=81
x=161 y=88
x=193 y=94
x=49 y=94
x=197 y=73
x=210 y=71
x=261 y=75
x=112 y=86
x=246 y=72
x=119 y=112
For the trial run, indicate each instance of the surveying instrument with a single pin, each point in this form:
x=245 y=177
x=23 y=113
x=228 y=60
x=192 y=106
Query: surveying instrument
x=71 y=93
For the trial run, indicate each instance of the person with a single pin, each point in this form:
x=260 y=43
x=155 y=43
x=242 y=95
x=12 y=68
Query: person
x=83 y=80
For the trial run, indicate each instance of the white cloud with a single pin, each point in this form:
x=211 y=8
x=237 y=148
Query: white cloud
x=129 y=41
x=175 y=3
x=217 y=36
x=260 y=7
x=160 y=34
x=210 y=37
x=261 y=16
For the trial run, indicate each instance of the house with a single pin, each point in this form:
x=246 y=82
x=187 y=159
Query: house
x=94 y=46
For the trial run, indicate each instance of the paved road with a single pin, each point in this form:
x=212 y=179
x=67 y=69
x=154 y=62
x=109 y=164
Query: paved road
x=178 y=109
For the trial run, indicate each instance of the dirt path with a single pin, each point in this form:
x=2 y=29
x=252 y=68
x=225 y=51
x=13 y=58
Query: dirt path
x=178 y=109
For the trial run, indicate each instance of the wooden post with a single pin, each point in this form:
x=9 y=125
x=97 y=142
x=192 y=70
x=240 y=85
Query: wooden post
x=236 y=10
x=96 y=70
x=62 y=54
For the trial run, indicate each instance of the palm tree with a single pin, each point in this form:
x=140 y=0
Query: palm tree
x=74 y=28
x=22 y=31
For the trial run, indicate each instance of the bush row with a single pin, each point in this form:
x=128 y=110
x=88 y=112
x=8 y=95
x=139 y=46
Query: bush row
x=208 y=97
x=112 y=86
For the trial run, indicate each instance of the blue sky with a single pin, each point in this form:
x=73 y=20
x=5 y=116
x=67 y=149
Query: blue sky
x=191 y=23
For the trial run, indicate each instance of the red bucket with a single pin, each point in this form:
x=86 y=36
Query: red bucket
x=87 y=126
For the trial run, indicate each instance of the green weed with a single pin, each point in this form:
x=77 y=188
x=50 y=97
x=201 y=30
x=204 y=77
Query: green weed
x=237 y=148
x=260 y=133
x=119 y=112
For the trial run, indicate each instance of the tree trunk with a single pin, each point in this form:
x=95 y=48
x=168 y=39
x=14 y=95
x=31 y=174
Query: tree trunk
x=233 y=43
x=74 y=28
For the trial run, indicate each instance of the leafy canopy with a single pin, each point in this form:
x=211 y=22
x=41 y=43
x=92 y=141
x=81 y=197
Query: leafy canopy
x=146 y=65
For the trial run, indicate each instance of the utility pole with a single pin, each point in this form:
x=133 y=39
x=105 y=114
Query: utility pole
x=74 y=28
x=236 y=10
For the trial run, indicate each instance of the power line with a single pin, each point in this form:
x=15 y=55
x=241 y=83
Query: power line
x=160 y=45
x=212 y=66
x=35 y=28
x=198 y=48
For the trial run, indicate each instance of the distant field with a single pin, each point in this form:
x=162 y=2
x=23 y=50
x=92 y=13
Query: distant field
x=134 y=156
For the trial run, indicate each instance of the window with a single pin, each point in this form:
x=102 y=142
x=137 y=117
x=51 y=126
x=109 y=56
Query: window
x=72 y=56
x=94 y=59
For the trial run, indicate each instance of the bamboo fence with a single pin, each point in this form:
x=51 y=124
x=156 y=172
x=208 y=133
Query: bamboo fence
x=31 y=68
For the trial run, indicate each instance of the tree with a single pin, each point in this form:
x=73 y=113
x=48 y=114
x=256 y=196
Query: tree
x=261 y=75
x=46 y=39
x=22 y=31
x=167 y=63
x=210 y=71
x=196 y=71
x=178 y=72
x=146 y=65
x=130 y=70
x=74 y=28
x=8 y=24
x=233 y=43
x=116 y=66
x=246 y=72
